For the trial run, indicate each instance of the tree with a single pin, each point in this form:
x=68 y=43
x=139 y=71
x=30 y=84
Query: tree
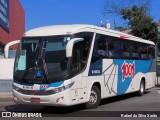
x=159 y=34
x=120 y=28
x=115 y=6
x=135 y=12
x=140 y=23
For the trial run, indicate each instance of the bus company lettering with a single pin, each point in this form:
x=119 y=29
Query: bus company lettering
x=96 y=71
x=127 y=70
x=44 y=86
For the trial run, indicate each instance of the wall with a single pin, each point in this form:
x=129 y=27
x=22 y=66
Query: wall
x=17 y=23
x=6 y=69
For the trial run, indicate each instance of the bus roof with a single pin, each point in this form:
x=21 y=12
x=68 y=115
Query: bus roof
x=71 y=29
x=55 y=30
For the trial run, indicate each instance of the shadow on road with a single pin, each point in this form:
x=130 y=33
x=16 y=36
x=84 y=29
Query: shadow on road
x=64 y=110
x=120 y=98
x=44 y=109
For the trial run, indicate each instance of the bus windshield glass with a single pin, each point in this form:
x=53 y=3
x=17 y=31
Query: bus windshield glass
x=41 y=58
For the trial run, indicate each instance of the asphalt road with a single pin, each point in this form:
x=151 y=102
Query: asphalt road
x=130 y=105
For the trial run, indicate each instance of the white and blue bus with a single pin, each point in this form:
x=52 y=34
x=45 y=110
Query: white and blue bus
x=66 y=65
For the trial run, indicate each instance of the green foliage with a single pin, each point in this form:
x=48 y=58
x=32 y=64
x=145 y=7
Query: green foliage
x=141 y=24
x=158 y=35
x=120 y=28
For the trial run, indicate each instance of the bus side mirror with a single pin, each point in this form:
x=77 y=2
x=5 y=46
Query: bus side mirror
x=70 y=45
x=6 y=49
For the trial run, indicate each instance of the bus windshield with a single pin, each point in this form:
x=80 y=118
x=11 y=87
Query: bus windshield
x=41 y=58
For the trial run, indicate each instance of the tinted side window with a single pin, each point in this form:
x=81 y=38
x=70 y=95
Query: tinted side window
x=107 y=47
x=81 y=52
x=99 y=47
x=117 y=48
x=134 y=50
x=151 y=51
x=143 y=51
x=76 y=65
x=126 y=49
x=86 y=44
x=114 y=47
x=111 y=47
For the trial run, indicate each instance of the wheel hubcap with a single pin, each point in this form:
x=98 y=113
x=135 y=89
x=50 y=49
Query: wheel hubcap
x=142 y=88
x=93 y=97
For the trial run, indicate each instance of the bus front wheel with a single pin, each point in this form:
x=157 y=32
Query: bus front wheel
x=95 y=98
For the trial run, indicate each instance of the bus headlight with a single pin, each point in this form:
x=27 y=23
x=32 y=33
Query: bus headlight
x=15 y=88
x=45 y=92
x=63 y=88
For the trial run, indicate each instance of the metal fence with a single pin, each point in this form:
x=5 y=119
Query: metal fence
x=5 y=86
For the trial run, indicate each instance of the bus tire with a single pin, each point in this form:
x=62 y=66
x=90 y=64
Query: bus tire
x=95 y=98
x=141 y=88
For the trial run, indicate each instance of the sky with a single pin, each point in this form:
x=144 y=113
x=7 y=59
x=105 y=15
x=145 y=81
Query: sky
x=58 y=12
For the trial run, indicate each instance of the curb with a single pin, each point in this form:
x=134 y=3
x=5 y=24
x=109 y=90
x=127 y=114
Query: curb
x=5 y=87
x=6 y=97
x=5 y=90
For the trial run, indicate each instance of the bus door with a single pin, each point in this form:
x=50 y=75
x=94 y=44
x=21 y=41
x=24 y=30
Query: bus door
x=77 y=67
x=80 y=56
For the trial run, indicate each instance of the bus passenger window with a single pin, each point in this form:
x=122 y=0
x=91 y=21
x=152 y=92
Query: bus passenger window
x=76 y=63
x=144 y=52
x=111 y=49
x=117 y=48
x=102 y=47
x=81 y=52
x=134 y=50
x=126 y=49
x=85 y=48
x=151 y=52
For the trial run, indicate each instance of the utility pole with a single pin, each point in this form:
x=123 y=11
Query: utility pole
x=115 y=24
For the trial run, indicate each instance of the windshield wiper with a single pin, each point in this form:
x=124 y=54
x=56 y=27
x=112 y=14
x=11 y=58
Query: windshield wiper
x=44 y=65
x=45 y=69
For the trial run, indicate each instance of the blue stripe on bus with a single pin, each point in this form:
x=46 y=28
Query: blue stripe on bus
x=142 y=66
x=56 y=84
x=96 y=68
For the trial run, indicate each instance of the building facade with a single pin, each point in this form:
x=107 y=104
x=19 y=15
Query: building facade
x=12 y=22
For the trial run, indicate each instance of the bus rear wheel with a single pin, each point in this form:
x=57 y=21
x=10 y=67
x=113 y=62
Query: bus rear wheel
x=141 y=88
x=95 y=98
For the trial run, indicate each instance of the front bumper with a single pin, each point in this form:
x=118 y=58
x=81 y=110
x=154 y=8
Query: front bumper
x=58 y=99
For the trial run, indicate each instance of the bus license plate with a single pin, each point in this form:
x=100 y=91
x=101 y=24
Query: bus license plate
x=35 y=100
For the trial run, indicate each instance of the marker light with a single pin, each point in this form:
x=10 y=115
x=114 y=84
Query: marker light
x=59 y=99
